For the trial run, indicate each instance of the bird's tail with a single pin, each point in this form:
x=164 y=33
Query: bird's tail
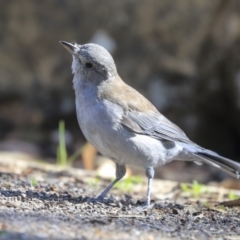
x=209 y=157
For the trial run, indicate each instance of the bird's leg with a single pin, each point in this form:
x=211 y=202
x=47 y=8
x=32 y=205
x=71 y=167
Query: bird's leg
x=120 y=172
x=150 y=175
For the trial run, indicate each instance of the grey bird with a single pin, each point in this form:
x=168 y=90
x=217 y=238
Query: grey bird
x=123 y=125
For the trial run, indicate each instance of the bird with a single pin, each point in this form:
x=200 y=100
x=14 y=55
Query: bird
x=126 y=127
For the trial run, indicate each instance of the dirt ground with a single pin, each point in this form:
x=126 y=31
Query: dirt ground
x=43 y=201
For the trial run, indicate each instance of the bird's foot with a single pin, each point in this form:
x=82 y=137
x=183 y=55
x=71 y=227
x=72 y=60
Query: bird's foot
x=145 y=207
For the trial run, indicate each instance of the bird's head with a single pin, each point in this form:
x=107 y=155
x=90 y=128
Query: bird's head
x=92 y=62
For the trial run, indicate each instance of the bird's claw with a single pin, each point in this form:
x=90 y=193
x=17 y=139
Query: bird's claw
x=145 y=207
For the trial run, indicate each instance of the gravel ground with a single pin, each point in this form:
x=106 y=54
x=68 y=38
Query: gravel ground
x=38 y=201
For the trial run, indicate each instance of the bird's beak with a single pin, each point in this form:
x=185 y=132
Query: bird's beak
x=69 y=46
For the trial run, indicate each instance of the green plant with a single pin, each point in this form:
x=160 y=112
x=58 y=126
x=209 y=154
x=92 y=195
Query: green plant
x=206 y=204
x=33 y=182
x=232 y=196
x=128 y=183
x=94 y=181
x=195 y=189
x=61 y=150
x=62 y=156
x=221 y=207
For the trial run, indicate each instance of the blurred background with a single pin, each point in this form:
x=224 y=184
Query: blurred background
x=182 y=55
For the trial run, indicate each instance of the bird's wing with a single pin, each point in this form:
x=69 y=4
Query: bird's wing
x=140 y=116
x=154 y=125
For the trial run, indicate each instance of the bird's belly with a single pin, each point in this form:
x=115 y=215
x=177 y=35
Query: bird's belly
x=124 y=147
x=104 y=131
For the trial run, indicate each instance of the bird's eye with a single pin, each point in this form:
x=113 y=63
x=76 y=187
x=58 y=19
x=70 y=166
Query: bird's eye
x=88 y=65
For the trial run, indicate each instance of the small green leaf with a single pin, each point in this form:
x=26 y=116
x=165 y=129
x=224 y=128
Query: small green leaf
x=232 y=196
x=33 y=182
x=185 y=187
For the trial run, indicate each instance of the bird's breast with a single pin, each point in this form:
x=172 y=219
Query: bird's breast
x=99 y=122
